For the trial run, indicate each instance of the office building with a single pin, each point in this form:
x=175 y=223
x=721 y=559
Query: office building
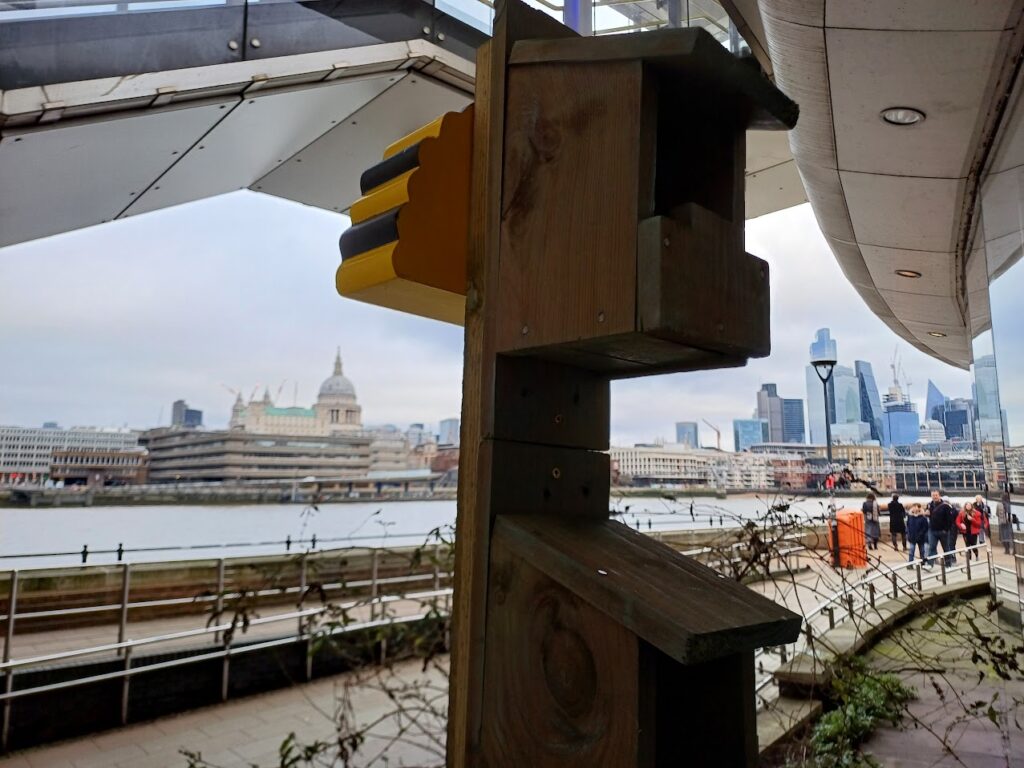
x=785 y=416
x=870 y=402
x=183 y=416
x=900 y=422
x=448 y=433
x=26 y=453
x=748 y=432
x=932 y=431
x=418 y=434
x=935 y=404
x=769 y=408
x=793 y=430
x=189 y=455
x=76 y=466
x=818 y=407
x=687 y=434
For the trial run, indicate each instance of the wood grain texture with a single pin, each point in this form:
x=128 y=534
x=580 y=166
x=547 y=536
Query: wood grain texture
x=697 y=288
x=561 y=680
x=569 y=203
x=512 y=21
x=681 y=607
x=541 y=402
x=549 y=480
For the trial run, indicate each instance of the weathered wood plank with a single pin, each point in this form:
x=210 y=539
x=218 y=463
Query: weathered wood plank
x=549 y=480
x=541 y=402
x=696 y=287
x=561 y=679
x=658 y=593
x=512 y=21
x=568 y=255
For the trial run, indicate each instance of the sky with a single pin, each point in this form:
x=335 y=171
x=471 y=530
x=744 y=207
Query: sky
x=107 y=326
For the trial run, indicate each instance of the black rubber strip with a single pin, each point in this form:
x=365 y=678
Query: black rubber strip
x=390 y=169
x=370 y=234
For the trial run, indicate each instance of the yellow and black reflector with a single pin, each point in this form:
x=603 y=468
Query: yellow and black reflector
x=407 y=246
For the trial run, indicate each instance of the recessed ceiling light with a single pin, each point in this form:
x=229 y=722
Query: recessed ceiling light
x=908 y=273
x=936 y=334
x=902 y=116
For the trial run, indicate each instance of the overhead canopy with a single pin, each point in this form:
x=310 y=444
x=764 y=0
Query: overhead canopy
x=294 y=118
x=891 y=197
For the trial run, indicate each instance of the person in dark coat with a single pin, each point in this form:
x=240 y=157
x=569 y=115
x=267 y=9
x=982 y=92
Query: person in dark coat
x=872 y=524
x=917 y=533
x=940 y=519
x=897 y=521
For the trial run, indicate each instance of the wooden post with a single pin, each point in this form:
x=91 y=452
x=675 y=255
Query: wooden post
x=600 y=245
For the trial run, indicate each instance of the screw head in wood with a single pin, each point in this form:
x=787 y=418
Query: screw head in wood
x=558 y=418
x=600 y=317
x=526 y=330
x=556 y=473
x=666 y=242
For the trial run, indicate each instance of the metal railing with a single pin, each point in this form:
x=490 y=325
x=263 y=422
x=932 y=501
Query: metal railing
x=855 y=597
x=125 y=647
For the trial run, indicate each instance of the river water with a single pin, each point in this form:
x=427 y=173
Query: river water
x=199 y=531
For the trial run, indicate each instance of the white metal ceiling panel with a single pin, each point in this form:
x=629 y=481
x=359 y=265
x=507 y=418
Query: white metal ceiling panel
x=259 y=134
x=870 y=71
x=936 y=270
x=774 y=189
x=75 y=174
x=903 y=211
x=917 y=308
x=326 y=173
x=919 y=14
x=766 y=149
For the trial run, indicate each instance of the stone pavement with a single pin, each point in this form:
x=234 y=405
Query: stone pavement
x=945 y=697
x=242 y=732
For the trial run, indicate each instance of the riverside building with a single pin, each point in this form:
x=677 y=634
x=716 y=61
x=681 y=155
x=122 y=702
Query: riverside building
x=27 y=453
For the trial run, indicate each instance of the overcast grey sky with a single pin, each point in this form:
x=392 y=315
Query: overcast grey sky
x=109 y=325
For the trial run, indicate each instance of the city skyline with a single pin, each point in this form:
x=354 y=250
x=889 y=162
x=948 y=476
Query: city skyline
x=190 y=306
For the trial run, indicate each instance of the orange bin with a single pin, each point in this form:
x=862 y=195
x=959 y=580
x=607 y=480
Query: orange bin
x=853 y=551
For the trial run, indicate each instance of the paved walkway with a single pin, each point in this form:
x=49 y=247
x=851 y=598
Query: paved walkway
x=246 y=731
x=945 y=697
x=250 y=731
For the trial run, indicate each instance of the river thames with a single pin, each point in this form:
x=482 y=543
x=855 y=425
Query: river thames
x=200 y=531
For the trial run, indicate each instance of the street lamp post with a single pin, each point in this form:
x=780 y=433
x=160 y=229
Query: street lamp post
x=824 y=367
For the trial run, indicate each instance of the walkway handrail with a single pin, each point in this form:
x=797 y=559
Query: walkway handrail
x=888 y=573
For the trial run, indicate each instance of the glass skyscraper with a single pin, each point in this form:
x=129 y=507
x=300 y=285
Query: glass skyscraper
x=748 y=432
x=686 y=433
x=870 y=402
x=823 y=347
x=793 y=420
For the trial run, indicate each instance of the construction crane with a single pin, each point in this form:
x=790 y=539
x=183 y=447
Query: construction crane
x=277 y=397
x=254 y=391
x=232 y=390
x=717 y=431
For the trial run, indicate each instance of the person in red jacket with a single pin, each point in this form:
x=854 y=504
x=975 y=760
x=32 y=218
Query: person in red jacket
x=970 y=522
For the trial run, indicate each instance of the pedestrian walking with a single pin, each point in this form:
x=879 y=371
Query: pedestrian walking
x=940 y=520
x=986 y=515
x=970 y=523
x=917 y=533
x=1004 y=516
x=872 y=521
x=897 y=521
x=954 y=532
